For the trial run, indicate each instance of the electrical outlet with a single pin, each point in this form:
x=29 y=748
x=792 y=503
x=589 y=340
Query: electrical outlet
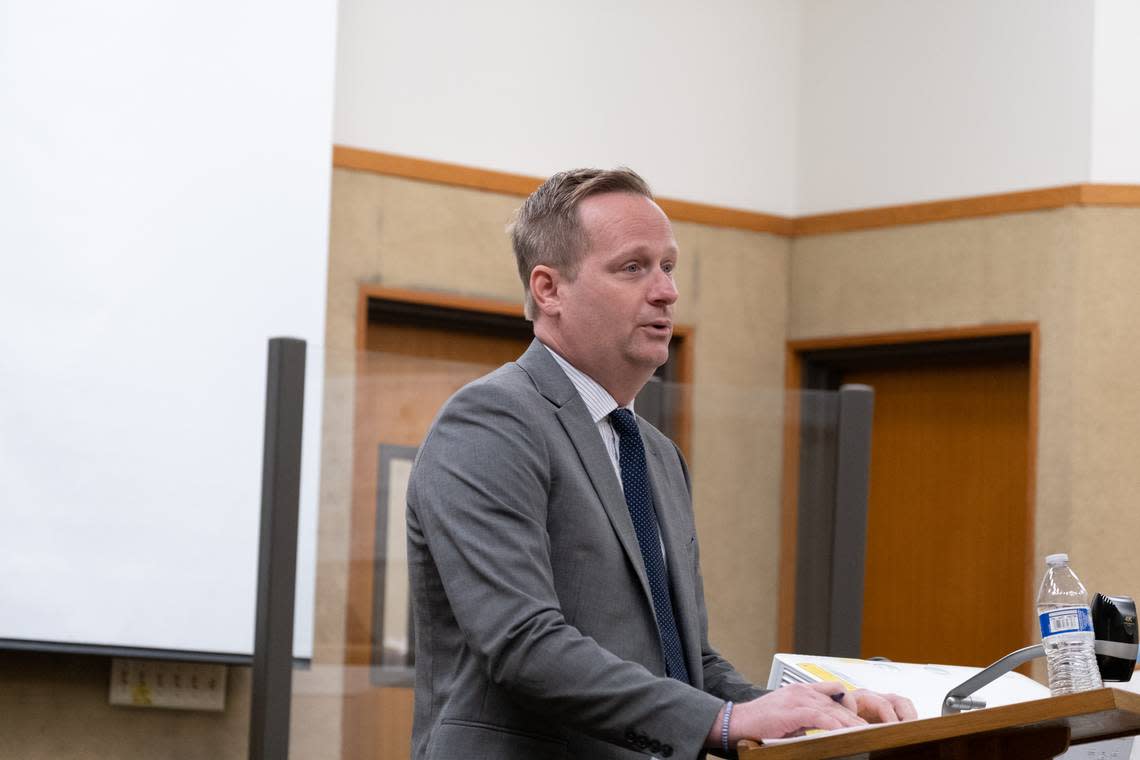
x=174 y=685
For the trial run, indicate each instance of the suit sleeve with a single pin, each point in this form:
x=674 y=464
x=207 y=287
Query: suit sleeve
x=479 y=494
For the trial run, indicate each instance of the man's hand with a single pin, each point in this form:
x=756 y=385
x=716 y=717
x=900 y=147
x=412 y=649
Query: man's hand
x=794 y=709
x=882 y=708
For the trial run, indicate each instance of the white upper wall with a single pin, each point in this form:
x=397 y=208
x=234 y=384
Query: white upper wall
x=1116 y=94
x=912 y=100
x=699 y=98
x=782 y=106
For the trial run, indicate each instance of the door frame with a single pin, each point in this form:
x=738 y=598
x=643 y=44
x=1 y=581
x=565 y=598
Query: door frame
x=794 y=378
x=682 y=352
x=485 y=311
x=461 y=312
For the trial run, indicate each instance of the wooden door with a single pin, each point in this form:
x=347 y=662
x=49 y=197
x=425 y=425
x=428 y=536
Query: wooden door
x=417 y=350
x=403 y=377
x=948 y=518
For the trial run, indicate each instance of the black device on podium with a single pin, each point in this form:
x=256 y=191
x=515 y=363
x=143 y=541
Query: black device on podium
x=1114 y=628
x=1114 y=620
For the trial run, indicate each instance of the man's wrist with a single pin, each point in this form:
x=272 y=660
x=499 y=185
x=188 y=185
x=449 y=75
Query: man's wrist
x=716 y=737
x=725 y=720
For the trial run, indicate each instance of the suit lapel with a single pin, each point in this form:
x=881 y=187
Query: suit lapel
x=671 y=510
x=575 y=419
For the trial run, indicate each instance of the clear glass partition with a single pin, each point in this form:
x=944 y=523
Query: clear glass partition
x=145 y=528
x=139 y=518
x=353 y=700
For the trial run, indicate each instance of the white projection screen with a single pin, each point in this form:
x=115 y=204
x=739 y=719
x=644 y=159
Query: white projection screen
x=164 y=193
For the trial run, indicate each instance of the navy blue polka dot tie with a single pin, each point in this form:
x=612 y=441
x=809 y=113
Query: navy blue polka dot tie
x=639 y=499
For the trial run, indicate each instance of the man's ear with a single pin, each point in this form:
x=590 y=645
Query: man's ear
x=544 y=289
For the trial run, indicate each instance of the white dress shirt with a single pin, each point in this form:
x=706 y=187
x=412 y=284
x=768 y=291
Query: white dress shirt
x=600 y=403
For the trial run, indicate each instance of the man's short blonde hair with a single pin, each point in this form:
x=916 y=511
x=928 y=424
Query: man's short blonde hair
x=547 y=230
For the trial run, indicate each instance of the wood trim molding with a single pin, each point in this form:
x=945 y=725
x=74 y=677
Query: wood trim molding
x=425 y=298
x=433 y=171
x=793 y=382
x=938 y=211
x=436 y=298
x=1030 y=581
x=521 y=185
x=685 y=334
x=476 y=303
x=425 y=170
x=802 y=345
x=720 y=216
x=969 y=208
x=1110 y=195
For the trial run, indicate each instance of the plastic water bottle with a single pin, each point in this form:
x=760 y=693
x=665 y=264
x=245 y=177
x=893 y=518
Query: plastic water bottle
x=1066 y=629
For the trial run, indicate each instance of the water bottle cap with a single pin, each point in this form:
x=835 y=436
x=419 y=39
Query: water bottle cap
x=1057 y=559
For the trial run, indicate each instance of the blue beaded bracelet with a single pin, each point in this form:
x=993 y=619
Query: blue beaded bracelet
x=724 y=726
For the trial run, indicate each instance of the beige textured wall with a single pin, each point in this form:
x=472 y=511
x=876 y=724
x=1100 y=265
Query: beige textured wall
x=397 y=233
x=408 y=234
x=1075 y=272
x=735 y=295
x=55 y=706
x=1104 y=507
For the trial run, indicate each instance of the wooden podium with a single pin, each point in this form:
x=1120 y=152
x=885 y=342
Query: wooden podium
x=1043 y=728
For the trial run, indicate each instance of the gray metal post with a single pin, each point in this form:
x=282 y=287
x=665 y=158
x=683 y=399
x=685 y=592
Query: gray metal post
x=277 y=558
x=852 y=484
x=815 y=524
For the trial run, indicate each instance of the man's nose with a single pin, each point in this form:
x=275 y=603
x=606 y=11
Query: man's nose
x=663 y=289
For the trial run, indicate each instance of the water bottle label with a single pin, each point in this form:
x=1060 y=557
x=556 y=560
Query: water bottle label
x=1065 y=620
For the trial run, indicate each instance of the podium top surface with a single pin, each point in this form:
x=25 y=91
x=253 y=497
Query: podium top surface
x=1089 y=716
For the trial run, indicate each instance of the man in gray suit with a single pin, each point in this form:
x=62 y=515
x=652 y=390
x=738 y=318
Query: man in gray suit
x=555 y=575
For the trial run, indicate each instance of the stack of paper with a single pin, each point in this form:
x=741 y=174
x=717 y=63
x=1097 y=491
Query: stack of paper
x=925 y=685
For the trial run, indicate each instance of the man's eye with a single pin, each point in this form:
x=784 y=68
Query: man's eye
x=631 y=267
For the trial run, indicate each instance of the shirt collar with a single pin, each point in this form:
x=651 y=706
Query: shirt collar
x=598 y=400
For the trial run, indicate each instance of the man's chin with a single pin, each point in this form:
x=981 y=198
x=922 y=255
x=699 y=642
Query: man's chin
x=652 y=359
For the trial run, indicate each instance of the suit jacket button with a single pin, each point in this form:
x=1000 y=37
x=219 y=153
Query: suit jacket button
x=631 y=736
x=643 y=741
x=667 y=750
x=655 y=746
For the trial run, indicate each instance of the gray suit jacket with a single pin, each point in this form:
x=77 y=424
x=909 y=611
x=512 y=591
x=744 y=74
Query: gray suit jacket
x=535 y=631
